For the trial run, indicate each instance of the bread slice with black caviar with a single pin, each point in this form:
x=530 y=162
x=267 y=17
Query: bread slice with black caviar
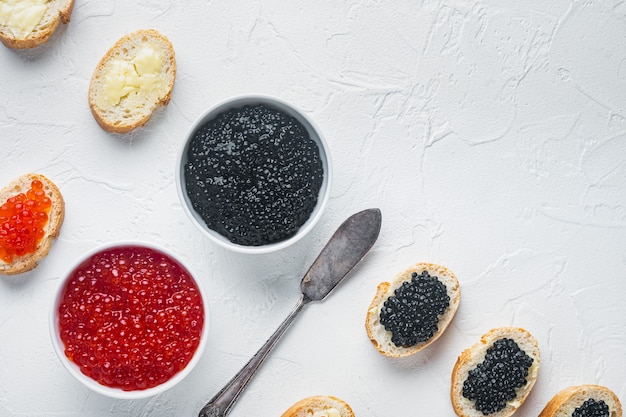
x=20 y=263
x=319 y=406
x=494 y=376
x=25 y=26
x=413 y=310
x=583 y=400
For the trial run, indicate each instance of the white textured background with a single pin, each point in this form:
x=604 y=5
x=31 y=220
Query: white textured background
x=491 y=134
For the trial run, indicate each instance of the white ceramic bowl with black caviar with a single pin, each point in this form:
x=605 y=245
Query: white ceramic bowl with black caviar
x=129 y=320
x=254 y=173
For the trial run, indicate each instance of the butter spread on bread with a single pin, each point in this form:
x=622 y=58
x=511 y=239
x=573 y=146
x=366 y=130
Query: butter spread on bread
x=22 y=15
x=326 y=412
x=30 y=23
x=134 y=78
x=319 y=406
x=130 y=78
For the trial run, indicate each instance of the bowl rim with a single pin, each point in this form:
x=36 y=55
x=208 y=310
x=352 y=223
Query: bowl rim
x=74 y=369
x=292 y=110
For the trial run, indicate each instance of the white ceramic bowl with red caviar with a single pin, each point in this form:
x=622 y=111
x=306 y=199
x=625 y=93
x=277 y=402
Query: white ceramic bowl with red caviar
x=132 y=317
x=266 y=195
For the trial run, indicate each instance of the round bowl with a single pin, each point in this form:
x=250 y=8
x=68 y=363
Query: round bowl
x=115 y=315
x=276 y=105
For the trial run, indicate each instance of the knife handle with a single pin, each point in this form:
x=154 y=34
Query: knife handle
x=221 y=404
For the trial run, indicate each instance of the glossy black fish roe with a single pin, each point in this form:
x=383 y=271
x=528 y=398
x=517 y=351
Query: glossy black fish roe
x=253 y=174
x=592 y=408
x=412 y=313
x=495 y=380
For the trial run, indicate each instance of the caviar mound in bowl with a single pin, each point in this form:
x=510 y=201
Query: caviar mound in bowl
x=129 y=320
x=254 y=174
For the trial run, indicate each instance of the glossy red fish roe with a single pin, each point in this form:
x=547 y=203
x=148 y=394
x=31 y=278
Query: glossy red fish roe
x=131 y=317
x=23 y=218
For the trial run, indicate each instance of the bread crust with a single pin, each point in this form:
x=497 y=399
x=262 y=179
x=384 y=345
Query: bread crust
x=475 y=354
x=53 y=227
x=567 y=400
x=318 y=403
x=381 y=338
x=123 y=120
x=59 y=11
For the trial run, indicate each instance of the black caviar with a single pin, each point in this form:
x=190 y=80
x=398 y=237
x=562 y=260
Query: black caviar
x=253 y=174
x=495 y=380
x=412 y=314
x=592 y=408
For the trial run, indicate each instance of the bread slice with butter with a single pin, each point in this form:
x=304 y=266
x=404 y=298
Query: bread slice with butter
x=494 y=376
x=133 y=79
x=16 y=253
x=583 y=400
x=319 y=406
x=26 y=24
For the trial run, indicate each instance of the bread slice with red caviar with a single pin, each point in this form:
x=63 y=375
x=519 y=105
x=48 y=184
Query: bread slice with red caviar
x=418 y=316
x=319 y=406
x=489 y=378
x=132 y=80
x=589 y=400
x=24 y=25
x=16 y=256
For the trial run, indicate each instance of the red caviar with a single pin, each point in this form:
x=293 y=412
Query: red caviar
x=131 y=317
x=23 y=218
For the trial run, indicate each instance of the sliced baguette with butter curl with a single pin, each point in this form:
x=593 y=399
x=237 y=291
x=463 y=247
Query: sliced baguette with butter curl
x=25 y=263
x=475 y=355
x=133 y=79
x=382 y=338
x=18 y=35
x=319 y=406
x=566 y=401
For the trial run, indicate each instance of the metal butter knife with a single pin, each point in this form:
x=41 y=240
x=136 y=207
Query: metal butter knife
x=348 y=245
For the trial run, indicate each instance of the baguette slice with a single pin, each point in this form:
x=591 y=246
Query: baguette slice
x=475 y=355
x=134 y=108
x=381 y=338
x=57 y=11
x=22 y=184
x=569 y=399
x=319 y=406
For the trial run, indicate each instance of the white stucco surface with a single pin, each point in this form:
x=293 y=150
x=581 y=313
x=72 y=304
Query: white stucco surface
x=491 y=134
